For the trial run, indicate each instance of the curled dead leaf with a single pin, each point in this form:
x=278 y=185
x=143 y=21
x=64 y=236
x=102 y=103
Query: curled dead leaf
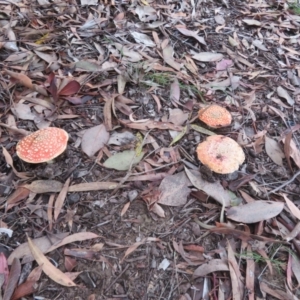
x=48 y=268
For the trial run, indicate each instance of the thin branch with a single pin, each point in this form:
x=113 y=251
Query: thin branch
x=284 y=184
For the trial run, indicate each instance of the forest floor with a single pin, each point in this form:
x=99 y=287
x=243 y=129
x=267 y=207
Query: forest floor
x=128 y=211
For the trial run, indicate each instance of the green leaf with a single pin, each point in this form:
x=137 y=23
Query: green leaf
x=122 y=161
x=179 y=136
x=202 y=130
x=87 y=66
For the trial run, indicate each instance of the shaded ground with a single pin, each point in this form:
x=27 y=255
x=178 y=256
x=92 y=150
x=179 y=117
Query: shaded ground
x=151 y=86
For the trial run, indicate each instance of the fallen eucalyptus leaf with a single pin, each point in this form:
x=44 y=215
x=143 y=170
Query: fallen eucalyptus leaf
x=94 y=139
x=274 y=151
x=284 y=94
x=214 y=190
x=256 y=211
x=122 y=161
x=207 y=56
x=252 y=22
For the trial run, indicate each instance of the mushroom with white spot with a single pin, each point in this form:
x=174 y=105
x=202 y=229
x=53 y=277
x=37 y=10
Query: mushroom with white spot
x=221 y=154
x=43 y=145
x=215 y=116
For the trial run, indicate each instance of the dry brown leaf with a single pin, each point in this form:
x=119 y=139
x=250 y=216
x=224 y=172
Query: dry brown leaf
x=11 y=44
x=239 y=58
x=259 y=44
x=48 y=268
x=107 y=113
x=277 y=293
x=148 y=177
x=252 y=22
x=192 y=259
x=29 y=286
x=168 y=57
x=123 y=108
x=246 y=197
x=13 y=278
x=121 y=83
x=94 y=139
x=53 y=186
x=264 y=255
x=236 y=184
x=157 y=209
x=174 y=190
x=124 y=209
x=235 y=274
x=296 y=267
x=244 y=236
x=122 y=138
x=274 y=151
x=92 y=186
x=49 y=211
x=142 y=38
x=293 y=208
x=9 y=161
x=15 y=131
x=157 y=100
x=22 y=78
x=60 y=199
x=23 y=251
x=284 y=94
x=175 y=91
x=76 y=237
x=133 y=247
x=214 y=190
x=26 y=81
x=287 y=148
x=279 y=113
x=260 y=210
x=46 y=245
x=213 y=265
x=250 y=270
x=4 y=270
x=16 y=197
x=150 y=124
x=219 y=19
x=294 y=152
x=207 y=56
x=23 y=111
x=70 y=263
x=177 y=116
x=190 y=33
x=44 y=186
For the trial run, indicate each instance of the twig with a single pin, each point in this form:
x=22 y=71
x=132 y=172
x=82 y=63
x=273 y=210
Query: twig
x=284 y=184
x=117 y=278
x=157 y=168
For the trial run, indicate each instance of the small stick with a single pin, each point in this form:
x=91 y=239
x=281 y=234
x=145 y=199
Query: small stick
x=114 y=281
x=284 y=184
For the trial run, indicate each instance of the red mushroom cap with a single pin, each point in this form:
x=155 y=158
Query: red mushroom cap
x=43 y=145
x=215 y=116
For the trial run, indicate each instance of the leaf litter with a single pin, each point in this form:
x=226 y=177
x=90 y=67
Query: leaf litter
x=128 y=96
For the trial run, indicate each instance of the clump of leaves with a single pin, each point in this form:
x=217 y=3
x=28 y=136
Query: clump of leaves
x=192 y=89
x=162 y=79
x=295 y=7
x=277 y=263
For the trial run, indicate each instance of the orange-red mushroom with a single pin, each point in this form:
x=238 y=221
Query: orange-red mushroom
x=221 y=154
x=42 y=145
x=215 y=116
